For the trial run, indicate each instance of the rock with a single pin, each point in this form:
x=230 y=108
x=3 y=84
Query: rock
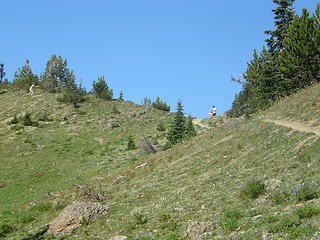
x=255 y=218
x=112 y=125
x=120 y=179
x=142 y=165
x=118 y=238
x=198 y=230
x=73 y=215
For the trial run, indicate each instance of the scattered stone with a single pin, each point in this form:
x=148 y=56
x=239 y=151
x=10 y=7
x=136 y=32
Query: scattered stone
x=132 y=114
x=112 y=125
x=73 y=215
x=178 y=209
x=118 y=238
x=120 y=179
x=198 y=230
x=255 y=218
x=142 y=165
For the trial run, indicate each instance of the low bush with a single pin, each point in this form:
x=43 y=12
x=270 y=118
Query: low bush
x=253 y=187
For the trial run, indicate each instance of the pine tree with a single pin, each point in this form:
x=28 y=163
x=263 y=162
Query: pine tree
x=24 y=78
x=300 y=60
x=284 y=14
x=121 y=96
x=56 y=74
x=71 y=92
x=158 y=104
x=101 y=89
x=176 y=132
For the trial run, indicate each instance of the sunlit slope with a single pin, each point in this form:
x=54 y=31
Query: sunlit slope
x=69 y=146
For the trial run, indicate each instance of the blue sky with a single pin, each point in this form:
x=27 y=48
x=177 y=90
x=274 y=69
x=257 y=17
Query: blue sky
x=174 y=49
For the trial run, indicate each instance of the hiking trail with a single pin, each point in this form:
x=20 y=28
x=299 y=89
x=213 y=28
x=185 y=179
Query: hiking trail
x=299 y=126
x=197 y=121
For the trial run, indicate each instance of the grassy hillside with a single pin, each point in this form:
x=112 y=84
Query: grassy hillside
x=206 y=179
x=69 y=146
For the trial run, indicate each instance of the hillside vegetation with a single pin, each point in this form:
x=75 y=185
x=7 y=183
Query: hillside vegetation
x=250 y=178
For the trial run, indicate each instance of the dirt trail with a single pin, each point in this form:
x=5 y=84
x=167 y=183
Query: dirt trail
x=197 y=121
x=299 y=126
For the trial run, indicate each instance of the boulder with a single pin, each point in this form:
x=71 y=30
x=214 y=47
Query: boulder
x=73 y=215
x=118 y=238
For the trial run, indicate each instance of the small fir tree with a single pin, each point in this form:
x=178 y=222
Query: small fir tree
x=121 y=96
x=176 y=130
x=131 y=143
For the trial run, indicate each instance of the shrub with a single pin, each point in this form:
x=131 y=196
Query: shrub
x=307 y=211
x=140 y=219
x=5 y=228
x=27 y=120
x=131 y=144
x=161 y=127
x=15 y=120
x=253 y=187
x=306 y=192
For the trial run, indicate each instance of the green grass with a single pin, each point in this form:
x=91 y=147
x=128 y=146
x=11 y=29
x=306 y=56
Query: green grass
x=198 y=180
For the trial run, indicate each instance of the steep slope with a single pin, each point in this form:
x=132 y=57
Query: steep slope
x=204 y=180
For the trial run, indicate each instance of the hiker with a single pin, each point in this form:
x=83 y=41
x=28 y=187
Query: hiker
x=213 y=112
x=31 y=89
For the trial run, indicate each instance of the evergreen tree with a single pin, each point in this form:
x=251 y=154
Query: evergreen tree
x=131 y=143
x=121 y=96
x=190 y=130
x=176 y=132
x=158 y=104
x=284 y=14
x=101 y=89
x=71 y=93
x=24 y=78
x=300 y=60
x=56 y=74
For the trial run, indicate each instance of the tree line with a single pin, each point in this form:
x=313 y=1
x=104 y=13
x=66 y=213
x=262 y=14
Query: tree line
x=289 y=62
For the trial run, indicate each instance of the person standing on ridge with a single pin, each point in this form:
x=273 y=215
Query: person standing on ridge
x=213 y=112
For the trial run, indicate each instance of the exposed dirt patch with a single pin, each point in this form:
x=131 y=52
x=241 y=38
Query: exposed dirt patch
x=299 y=126
x=197 y=121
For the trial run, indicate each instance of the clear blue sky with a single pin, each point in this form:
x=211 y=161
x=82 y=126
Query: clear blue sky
x=174 y=49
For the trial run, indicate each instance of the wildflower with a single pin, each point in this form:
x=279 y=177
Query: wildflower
x=314 y=182
x=308 y=223
x=310 y=188
x=294 y=191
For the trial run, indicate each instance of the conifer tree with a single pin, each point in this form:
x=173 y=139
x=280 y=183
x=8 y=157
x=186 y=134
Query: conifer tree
x=101 y=89
x=158 y=104
x=284 y=14
x=55 y=75
x=300 y=60
x=176 y=132
x=24 y=78
x=121 y=96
